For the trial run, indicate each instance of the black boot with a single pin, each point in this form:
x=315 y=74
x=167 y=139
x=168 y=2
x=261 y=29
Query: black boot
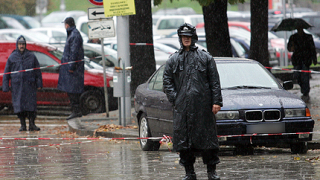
x=32 y=126
x=76 y=112
x=190 y=174
x=23 y=124
x=212 y=174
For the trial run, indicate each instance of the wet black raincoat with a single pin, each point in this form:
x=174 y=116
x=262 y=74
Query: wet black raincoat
x=304 y=49
x=72 y=82
x=191 y=83
x=23 y=84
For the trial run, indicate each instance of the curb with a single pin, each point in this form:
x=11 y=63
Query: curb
x=76 y=125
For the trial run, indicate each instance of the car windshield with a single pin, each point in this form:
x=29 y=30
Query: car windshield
x=197 y=20
x=109 y=52
x=14 y=24
x=245 y=75
x=40 y=37
x=238 y=48
x=57 y=53
x=32 y=22
x=238 y=32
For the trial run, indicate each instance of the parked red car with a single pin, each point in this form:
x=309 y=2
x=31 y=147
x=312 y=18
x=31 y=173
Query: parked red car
x=92 y=99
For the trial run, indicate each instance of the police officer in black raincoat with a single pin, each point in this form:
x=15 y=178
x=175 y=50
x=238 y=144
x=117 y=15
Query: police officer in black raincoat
x=191 y=83
x=71 y=76
x=24 y=85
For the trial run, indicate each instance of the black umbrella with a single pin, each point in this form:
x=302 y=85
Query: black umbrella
x=290 y=24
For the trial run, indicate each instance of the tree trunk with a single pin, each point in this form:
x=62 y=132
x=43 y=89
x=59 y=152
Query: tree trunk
x=259 y=32
x=216 y=28
x=141 y=56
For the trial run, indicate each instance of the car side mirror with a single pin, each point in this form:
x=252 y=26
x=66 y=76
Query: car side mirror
x=287 y=85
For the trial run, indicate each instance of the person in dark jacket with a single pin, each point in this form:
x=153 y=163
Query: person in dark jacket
x=304 y=54
x=71 y=76
x=191 y=83
x=24 y=85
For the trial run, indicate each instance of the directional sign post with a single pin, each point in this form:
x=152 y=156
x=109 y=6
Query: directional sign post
x=96 y=13
x=101 y=29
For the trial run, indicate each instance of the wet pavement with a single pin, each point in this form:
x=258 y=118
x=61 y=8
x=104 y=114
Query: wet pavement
x=119 y=160
x=57 y=158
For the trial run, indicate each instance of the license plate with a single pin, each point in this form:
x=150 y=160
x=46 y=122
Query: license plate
x=266 y=128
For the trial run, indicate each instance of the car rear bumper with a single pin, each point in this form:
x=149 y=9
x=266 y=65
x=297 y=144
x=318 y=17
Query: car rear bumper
x=288 y=135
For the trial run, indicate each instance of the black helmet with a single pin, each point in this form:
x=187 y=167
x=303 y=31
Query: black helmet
x=187 y=30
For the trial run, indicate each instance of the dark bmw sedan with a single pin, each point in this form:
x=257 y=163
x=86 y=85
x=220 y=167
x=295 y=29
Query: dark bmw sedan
x=257 y=110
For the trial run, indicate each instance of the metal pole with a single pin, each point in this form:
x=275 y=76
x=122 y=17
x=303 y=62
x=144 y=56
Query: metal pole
x=124 y=92
x=285 y=36
x=281 y=57
x=104 y=78
x=124 y=53
x=119 y=98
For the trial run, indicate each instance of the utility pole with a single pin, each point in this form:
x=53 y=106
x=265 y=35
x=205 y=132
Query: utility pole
x=124 y=53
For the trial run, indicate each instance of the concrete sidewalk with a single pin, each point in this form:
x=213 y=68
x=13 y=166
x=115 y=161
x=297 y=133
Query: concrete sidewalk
x=87 y=125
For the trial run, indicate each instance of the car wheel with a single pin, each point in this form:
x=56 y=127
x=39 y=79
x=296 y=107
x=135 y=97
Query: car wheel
x=91 y=102
x=299 y=148
x=243 y=150
x=144 y=132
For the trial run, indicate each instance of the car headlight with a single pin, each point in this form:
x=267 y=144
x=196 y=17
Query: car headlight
x=295 y=112
x=227 y=115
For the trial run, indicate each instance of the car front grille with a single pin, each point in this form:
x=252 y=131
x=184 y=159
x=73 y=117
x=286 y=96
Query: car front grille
x=259 y=115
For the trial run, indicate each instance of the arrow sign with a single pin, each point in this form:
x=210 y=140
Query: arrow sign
x=96 y=13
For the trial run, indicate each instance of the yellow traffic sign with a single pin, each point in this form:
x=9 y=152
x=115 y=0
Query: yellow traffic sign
x=119 y=7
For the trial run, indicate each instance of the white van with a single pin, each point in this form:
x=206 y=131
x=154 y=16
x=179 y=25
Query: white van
x=169 y=24
x=82 y=24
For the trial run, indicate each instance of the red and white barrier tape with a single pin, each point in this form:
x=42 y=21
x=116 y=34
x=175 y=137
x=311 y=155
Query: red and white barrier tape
x=163 y=139
x=294 y=70
x=141 y=44
x=32 y=69
x=122 y=138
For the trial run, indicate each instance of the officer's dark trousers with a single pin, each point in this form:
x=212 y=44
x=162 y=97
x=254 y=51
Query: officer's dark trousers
x=74 y=100
x=303 y=79
x=27 y=114
x=209 y=156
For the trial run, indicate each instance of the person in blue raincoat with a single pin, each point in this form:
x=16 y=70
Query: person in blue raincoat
x=71 y=76
x=24 y=85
